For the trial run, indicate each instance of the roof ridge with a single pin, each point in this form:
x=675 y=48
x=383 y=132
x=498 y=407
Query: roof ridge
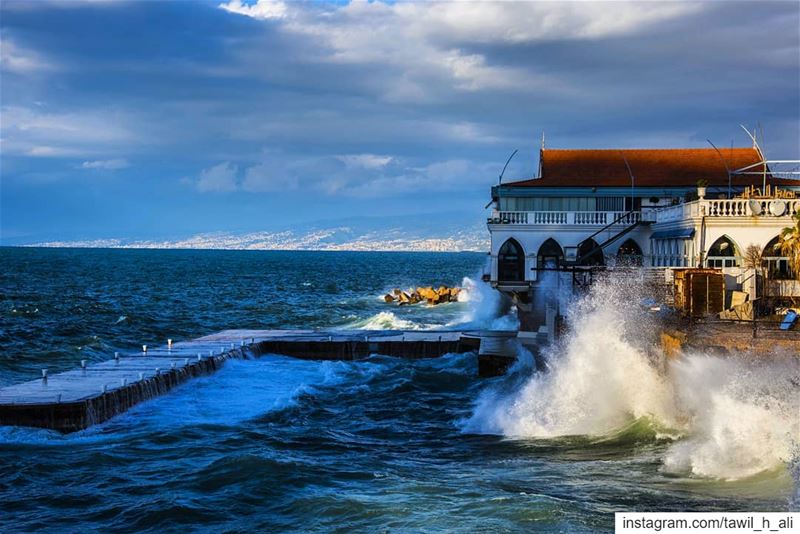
x=641 y=149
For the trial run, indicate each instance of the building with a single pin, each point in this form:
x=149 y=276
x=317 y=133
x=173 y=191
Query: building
x=657 y=208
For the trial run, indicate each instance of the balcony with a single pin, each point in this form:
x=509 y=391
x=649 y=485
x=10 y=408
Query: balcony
x=729 y=208
x=579 y=218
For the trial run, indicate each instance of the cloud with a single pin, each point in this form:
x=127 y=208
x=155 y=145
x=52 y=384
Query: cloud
x=328 y=104
x=220 y=178
x=361 y=176
x=429 y=41
x=366 y=161
x=262 y=9
x=269 y=177
x=45 y=151
x=106 y=164
x=14 y=58
x=38 y=133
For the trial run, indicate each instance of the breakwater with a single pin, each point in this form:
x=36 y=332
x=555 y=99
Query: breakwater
x=74 y=400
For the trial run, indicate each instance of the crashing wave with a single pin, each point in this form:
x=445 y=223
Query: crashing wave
x=730 y=418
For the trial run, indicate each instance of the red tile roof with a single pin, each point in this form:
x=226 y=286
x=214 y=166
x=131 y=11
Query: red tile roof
x=671 y=167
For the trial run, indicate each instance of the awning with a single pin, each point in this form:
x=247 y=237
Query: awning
x=679 y=233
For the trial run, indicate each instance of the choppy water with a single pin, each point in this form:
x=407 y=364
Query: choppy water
x=382 y=444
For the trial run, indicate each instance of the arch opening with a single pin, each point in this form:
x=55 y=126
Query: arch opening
x=630 y=253
x=774 y=262
x=550 y=255
x=511 y=262
x=590 y=253
x=723 y=253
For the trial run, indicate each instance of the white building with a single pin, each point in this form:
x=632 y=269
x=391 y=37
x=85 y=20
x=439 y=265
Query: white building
x=656 y=208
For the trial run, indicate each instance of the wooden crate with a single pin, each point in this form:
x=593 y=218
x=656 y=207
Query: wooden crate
x=699 y=292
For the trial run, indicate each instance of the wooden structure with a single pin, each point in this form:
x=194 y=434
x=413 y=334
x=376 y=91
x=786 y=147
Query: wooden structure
x=699 y=292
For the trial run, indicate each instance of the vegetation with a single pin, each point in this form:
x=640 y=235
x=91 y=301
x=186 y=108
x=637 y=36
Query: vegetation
x=789 y=245
x=753 y=257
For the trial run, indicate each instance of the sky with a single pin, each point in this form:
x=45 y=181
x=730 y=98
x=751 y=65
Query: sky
x=145 y=119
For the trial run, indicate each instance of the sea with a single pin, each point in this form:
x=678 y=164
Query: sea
x=276 y=444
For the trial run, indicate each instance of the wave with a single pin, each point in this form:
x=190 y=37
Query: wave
x=241 y=390
x=479 y=306
x=726 y=418
x=389 y=321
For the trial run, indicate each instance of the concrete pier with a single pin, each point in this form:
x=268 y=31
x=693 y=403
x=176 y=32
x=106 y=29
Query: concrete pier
x=74 y=400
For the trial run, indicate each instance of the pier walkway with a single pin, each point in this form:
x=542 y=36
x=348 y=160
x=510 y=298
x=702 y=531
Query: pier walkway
x=74 y=400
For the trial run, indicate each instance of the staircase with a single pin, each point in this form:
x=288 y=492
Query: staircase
x=599 y=248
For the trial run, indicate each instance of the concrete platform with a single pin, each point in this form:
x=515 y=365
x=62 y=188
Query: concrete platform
x=74 y=400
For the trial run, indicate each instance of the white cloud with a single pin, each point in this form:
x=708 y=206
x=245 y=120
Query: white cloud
x=366 y=161
x=14 y=58
x=32 y=132
x=106 y=164
x=219 y=178
x=262 y=9
x=423 y=43
x=520 y=22
x=46 y=151
x=264 y=177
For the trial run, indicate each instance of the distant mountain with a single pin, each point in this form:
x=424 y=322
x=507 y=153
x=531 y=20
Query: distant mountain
x=436 y=232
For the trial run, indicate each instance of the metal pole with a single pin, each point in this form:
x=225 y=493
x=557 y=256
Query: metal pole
x=727 y=169
x=631 y=175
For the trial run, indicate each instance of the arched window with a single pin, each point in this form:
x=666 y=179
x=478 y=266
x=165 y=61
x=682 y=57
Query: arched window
x=630 y=253
x=723 y=253
x=776 y=264
x=590 y=253
x=511 y=262
x=550 y=256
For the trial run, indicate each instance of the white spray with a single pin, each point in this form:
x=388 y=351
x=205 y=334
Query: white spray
x=730 y=417
x=488 y=308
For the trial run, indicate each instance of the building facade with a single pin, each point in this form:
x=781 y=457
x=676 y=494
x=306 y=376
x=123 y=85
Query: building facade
x=654 y=208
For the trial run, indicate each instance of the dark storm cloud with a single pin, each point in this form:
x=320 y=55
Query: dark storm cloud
x=304 y=110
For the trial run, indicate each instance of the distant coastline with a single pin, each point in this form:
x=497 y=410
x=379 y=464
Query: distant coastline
x=275 y=242
x=440 y=232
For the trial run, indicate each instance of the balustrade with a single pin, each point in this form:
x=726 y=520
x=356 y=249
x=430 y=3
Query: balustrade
x=584 y=218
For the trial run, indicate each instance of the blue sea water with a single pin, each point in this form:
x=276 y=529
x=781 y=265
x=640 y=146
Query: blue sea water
x=278 y=444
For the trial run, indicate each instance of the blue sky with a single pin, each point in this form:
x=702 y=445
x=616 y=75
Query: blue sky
x=165 y=119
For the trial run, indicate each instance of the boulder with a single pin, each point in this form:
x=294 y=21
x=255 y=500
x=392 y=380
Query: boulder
x=423 y=294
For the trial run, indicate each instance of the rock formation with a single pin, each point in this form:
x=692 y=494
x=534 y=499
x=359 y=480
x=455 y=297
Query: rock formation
x=423 y=294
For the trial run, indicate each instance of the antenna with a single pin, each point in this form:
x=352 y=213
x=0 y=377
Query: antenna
x=761 y=155
x=724 y=163
x=500 y=179
x=542 y=139
x=630 y=173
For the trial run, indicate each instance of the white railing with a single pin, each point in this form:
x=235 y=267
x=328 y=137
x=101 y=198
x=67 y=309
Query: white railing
x=591 y=217
x=773 y=208
x=548 y=217
x=582 y=218
x=627 y=217
x=513 y=217
x=678 y=212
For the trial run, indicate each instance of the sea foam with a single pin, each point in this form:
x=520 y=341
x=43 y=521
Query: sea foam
x=729 y=418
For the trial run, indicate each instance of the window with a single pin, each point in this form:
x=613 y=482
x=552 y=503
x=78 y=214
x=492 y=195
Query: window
x=777 y=265
x=550 y=255
x=630 y=253
x=511 y=262
x=723 y=253
x=562 y=204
